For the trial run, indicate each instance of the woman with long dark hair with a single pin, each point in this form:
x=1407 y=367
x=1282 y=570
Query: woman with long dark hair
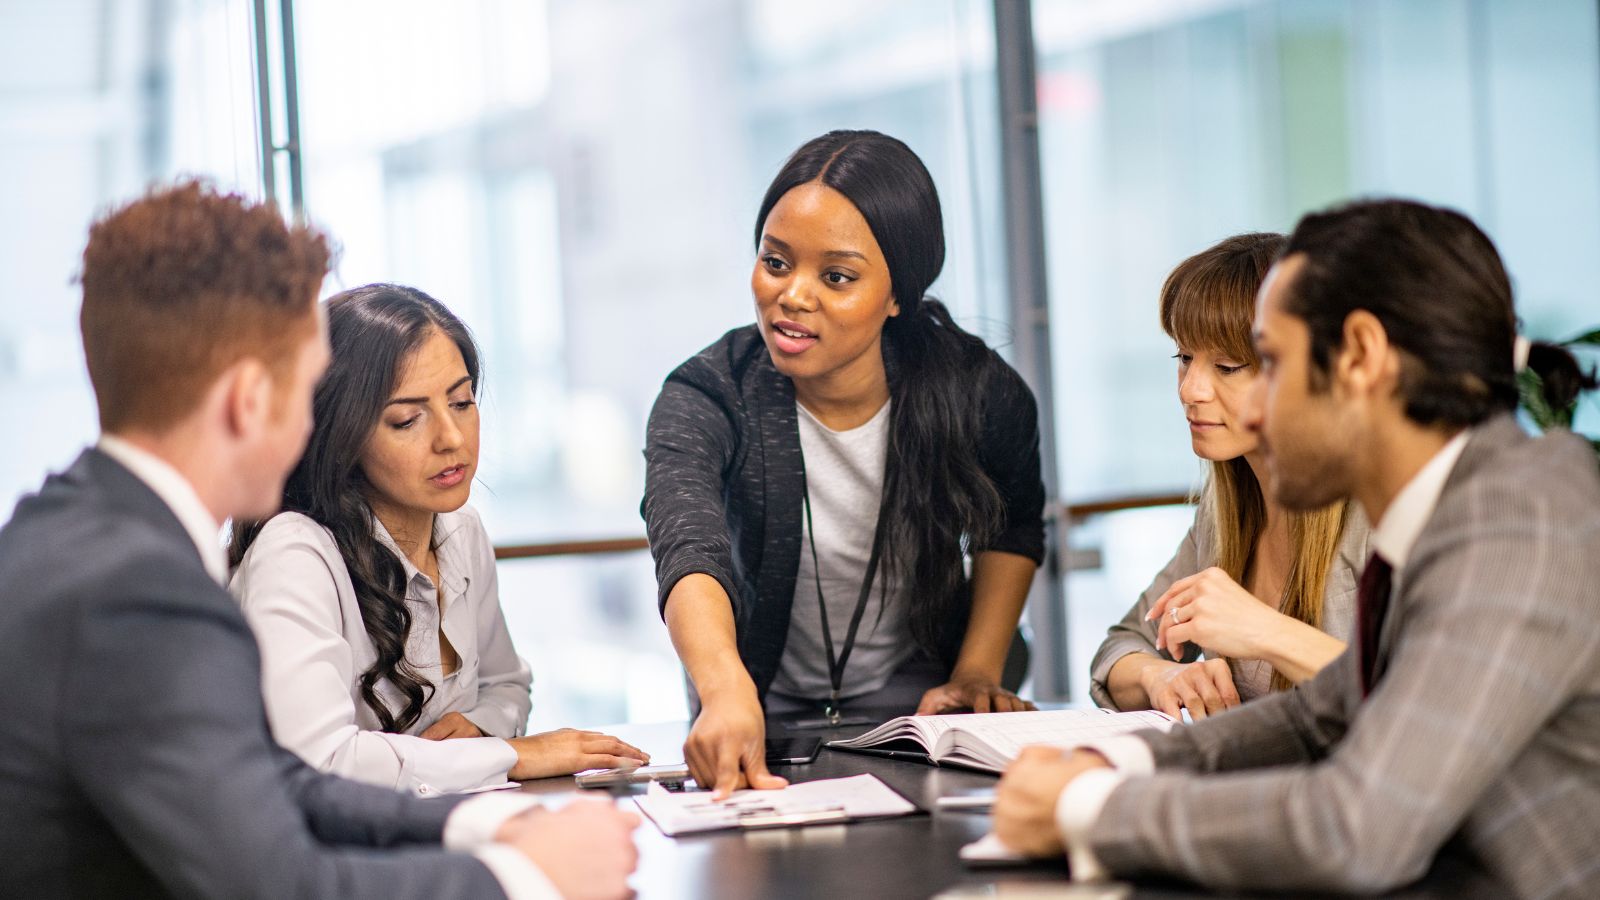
x=373 y=596
x=818 y=481
x=1265 y=594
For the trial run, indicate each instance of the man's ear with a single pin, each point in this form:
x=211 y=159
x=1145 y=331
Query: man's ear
x=247 y=397
x=1367 y=364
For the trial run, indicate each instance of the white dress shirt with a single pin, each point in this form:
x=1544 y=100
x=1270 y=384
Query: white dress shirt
x=1393 y=539
x=299 y=599
x=471 y=826
x=1412 y=507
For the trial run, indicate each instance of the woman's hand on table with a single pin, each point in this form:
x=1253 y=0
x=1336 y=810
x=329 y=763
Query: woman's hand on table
x=975 y=692
x=452 y=725
x=569 y=750
x=1204 y=688
x=727 y=745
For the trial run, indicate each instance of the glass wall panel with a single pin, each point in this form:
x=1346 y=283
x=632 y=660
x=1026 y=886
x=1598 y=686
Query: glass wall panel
x=96 y=101
x=1168 y=125
x=583 y=675
x=578 y=179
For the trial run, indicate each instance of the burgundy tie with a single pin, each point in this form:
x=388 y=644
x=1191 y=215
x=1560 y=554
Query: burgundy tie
x=1372 y=605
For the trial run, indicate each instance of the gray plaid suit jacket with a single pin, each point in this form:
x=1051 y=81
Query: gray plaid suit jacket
x=1481 y=736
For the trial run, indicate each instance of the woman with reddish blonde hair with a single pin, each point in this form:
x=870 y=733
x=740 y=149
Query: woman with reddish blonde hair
x=1257 y=597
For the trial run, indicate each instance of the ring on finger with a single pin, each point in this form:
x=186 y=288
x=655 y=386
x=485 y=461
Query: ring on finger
x=1174 y=615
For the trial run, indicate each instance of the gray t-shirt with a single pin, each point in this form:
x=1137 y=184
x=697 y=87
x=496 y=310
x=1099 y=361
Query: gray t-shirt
x=844 y=475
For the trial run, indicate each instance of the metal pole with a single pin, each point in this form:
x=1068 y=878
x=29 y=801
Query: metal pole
x=1030 y=317
x=264 y=104
x=291 y=106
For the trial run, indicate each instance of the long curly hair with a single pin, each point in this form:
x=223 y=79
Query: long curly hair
x=372 y=330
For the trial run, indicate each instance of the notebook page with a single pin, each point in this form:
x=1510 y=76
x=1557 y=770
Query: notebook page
x=925 y=730
x=997 y=738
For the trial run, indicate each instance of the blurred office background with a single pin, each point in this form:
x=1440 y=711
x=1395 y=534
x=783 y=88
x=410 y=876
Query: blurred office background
x=578 y=179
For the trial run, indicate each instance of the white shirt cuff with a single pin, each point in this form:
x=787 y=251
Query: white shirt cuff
x=473 y=823
x=518 y=876
x=1076 y=811
x=1126 y=753
x=430 y=768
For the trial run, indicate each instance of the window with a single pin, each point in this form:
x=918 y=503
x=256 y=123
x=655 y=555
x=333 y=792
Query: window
x=1166 y=126
x=99 y=100
x=578 y=181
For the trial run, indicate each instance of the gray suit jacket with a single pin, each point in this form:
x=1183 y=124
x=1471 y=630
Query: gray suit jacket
x=1482 y=731
x=1198 y=551
x=137 y=760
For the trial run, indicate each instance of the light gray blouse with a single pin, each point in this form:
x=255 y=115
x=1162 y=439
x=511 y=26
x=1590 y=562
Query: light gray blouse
x=1252 y=677
x=300 y=601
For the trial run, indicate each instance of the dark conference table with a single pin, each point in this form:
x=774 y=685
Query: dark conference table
x=912 y=857
x=908 y=857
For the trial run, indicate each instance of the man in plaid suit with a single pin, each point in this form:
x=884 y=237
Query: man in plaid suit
x=1460 y=733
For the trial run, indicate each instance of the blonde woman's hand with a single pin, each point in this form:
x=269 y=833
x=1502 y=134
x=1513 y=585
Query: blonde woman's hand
x=1211 y=609
x=451 y=725
x=569 y=750
x=1204 y=688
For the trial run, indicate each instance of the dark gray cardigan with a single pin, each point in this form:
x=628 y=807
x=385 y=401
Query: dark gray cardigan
x=724 y=485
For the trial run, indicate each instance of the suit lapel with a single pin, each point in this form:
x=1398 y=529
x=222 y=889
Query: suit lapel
x=122 y=488
x=1487 y=440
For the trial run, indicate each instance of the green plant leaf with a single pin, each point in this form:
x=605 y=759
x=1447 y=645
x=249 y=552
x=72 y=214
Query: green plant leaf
x=1530 y=394
x=1530 y=390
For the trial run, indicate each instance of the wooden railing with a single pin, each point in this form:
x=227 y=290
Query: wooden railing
x=571 y=548
x=1077 y=512
x=1071 y=512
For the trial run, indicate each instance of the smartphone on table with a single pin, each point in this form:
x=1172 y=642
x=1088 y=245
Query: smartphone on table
x=792 y=751
x=606 y=778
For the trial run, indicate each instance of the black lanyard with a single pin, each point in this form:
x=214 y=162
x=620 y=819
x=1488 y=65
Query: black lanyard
x=836 y=664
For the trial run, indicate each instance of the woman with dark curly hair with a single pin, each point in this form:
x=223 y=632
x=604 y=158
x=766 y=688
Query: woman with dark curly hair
x=373 y=594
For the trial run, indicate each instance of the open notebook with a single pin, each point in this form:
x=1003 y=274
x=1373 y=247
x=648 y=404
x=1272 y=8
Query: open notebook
x=988 y=741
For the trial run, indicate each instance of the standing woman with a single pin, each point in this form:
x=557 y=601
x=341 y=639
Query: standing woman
x=817 y=481
x=1266 y=595
x=385 y=656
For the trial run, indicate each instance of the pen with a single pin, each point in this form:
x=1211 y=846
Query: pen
x=971 y=801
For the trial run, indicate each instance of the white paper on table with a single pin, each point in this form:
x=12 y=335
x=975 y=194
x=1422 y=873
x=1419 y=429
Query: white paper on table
x=990 y=851
x=858 y=797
